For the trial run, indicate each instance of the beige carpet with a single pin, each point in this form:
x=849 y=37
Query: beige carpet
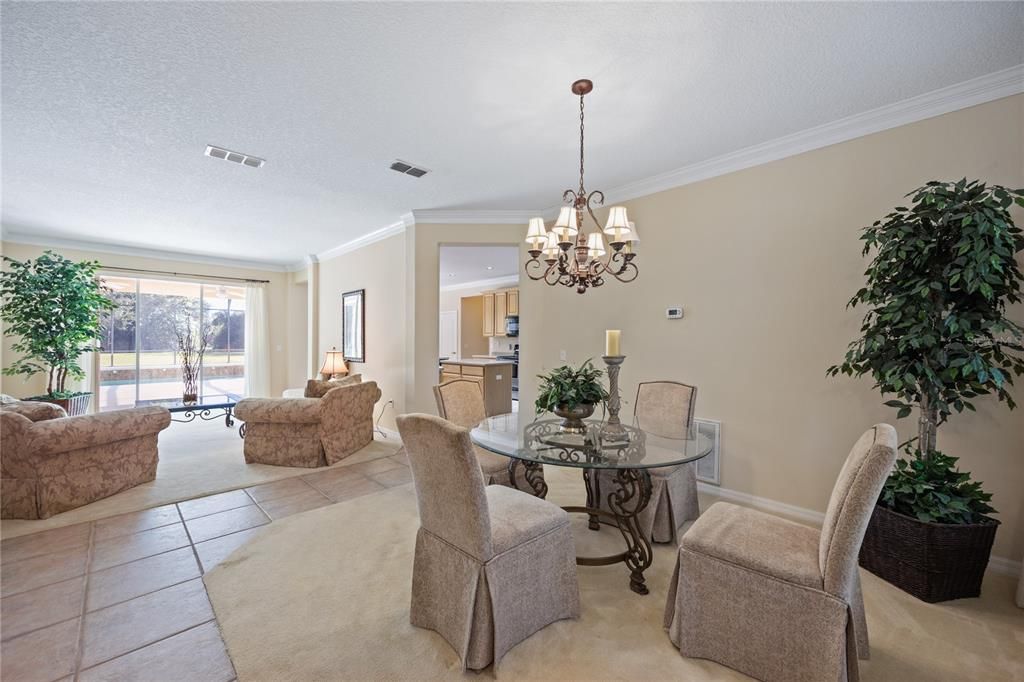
x=325 y=595
x=195 y=459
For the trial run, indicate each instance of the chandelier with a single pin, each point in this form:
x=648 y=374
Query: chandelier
x=572 y=257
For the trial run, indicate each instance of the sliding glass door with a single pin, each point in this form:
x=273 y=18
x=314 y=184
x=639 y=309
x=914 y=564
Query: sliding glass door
x=139 y=359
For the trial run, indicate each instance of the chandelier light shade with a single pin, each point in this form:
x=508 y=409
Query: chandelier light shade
x=537 y=234
x=568 y=254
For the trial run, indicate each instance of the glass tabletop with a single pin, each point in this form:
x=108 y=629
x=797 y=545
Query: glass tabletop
x=543 y=441
x=211 y=401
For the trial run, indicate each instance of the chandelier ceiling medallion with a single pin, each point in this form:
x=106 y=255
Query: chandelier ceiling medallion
x=571 y=257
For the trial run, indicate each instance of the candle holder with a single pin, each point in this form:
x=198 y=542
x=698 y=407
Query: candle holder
x=613 y=430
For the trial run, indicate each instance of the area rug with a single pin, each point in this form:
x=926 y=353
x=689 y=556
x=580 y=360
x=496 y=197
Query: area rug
x=195 y=460
x=325 y=595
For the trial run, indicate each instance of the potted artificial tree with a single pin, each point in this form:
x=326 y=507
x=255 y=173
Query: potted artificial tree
x=936 y=336
x=572 y=394
x=53 y=306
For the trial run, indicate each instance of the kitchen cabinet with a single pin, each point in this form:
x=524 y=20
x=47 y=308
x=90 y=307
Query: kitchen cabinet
x=493 y=376
x=489 y=314
x=498 y=305
x=512 y=301
x=500 y=308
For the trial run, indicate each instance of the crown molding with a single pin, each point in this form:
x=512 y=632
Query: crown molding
x=987 y=88
x=483 y=284
x=47 y=241
x=394 y=228
x=482 y=217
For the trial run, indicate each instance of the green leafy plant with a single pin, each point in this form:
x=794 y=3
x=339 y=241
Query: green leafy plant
x=936 y=334
x=931 y=489
x=571 y=387
x=53 y=306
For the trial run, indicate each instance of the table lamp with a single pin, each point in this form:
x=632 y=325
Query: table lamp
x=334 y=364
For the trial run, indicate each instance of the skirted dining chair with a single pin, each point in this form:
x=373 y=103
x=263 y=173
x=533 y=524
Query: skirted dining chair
x=772 y=598
x=665 y=409
x=461 y=402
x=492 y=565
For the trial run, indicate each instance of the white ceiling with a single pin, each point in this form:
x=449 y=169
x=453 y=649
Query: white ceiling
x=107 y=107
x=463 y=264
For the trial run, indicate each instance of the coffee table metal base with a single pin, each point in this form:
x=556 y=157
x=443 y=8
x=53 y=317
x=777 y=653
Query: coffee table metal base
x=628 y=498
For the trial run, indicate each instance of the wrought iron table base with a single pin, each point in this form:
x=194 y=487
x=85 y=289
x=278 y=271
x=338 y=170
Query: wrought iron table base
x=631 y=493
x=206 y=414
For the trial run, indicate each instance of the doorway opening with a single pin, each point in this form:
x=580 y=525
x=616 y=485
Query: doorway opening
x=478 y=319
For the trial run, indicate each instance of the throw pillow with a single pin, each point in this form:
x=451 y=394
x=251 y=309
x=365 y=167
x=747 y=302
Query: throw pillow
x=315 y=388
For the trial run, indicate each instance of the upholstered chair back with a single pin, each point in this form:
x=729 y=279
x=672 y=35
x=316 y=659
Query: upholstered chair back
x=449 y=483
x=665 y=408
x=849 y=510
x=461 y=402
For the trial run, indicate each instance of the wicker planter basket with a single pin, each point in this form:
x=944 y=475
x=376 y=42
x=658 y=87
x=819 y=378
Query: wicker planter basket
x=75 y=405
x=932 y=561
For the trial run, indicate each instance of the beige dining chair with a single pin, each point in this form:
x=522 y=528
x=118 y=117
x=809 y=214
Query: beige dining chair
x=461 y=402
x=492 y=565
x=665 y=409
x=774 y=599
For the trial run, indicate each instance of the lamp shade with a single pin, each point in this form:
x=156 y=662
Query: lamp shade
x=551 y=246
x=565 y=227
x=595 y=243
x=334 y=363
x=536 y=233
x=632 y=239
x=617 y=220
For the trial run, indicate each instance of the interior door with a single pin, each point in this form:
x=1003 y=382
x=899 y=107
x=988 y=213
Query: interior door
x=448 y=334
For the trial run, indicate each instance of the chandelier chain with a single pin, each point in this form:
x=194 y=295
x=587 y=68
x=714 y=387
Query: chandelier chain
x=581 y=146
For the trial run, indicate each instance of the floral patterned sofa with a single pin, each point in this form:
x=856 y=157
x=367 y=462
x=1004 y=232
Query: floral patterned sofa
x=50 y=463
x=309 y=432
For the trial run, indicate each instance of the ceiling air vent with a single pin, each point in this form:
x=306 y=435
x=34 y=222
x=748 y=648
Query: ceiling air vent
x=408 y=169
x=234 y=157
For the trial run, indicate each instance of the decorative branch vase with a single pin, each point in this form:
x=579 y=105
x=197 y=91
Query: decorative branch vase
x=572 y=418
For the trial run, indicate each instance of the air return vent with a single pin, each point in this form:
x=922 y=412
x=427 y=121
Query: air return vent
x=234 y=157
x=408 y=169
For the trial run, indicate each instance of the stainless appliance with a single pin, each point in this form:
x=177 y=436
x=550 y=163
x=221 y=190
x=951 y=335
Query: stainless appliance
x=514 y=358
x=511 y=325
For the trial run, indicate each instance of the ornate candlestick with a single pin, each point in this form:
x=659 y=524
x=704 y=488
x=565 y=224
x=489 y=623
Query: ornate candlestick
x=613 y=429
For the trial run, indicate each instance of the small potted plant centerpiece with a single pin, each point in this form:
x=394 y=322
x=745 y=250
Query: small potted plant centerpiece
x=572 y=394
x=53 y=305
x=936 y=336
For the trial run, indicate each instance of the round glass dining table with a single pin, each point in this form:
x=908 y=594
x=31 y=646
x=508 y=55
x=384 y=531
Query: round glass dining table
x=627 y=453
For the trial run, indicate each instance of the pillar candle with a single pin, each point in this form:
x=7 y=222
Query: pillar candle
x=611 y=341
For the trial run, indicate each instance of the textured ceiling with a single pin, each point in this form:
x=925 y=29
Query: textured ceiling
x=107 y=107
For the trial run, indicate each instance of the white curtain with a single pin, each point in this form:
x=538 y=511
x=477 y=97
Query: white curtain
x=257 y=342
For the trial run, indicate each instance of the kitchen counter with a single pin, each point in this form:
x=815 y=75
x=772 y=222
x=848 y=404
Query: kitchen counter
x=493 y=376
x=477 y=362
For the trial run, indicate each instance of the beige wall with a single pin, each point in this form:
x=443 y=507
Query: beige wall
x=277 y=304
x=763 y=262
x=377 y=268
x=297 y=321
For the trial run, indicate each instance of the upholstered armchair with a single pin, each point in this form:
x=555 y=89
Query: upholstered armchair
x=309 y=432
x=55 y=464
x=774 y=599
x=461 y=402
x=665 y=409
x=492 y=565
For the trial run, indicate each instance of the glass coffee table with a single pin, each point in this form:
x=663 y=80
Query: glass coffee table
x=208 y=407
x=531 y=444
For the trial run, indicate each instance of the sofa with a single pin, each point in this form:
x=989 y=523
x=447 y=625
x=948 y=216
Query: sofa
x=50 y=463
x=309 y=432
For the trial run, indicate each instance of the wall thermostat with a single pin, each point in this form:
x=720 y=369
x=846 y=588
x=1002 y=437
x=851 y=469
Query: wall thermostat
x=674 y=313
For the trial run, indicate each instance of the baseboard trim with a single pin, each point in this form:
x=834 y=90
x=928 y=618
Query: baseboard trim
x=996 y=564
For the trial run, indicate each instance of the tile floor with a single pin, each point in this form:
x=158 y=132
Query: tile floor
x=123 y=598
